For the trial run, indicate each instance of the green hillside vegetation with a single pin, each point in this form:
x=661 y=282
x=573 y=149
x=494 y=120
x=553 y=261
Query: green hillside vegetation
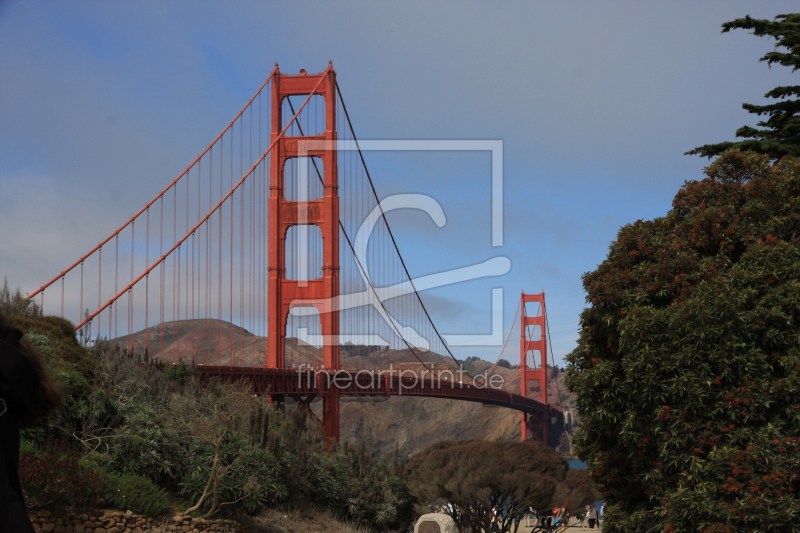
x=151 y=434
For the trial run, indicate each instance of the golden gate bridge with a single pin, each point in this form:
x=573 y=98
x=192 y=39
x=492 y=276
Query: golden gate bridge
x=269 y=259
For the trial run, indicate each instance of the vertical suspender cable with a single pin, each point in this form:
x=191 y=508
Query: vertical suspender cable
x=116 y=281
x=130 y=293
x=99 y=285
x=230 y=266
x=147 y=280
x=81 y=297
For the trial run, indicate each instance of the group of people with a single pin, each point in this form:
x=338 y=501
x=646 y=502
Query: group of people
x=26 y=395
x=592 y=515
x=560 y=517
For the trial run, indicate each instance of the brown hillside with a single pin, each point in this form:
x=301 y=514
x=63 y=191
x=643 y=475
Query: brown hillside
x=403 y=424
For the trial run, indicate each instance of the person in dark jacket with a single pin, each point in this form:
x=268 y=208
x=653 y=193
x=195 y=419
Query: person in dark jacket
x=26 y=395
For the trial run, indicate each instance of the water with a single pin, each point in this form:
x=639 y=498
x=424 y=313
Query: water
x=574 y=463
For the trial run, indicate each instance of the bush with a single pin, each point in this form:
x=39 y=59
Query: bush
x=137 y=494
x=54 y=477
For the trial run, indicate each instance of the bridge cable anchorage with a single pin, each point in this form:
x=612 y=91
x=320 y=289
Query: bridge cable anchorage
x=391 y=234
x=202 y=221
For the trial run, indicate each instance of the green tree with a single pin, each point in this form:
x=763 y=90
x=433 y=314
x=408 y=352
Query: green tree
x=471 y=478
x=780 y=133
x=688 y=365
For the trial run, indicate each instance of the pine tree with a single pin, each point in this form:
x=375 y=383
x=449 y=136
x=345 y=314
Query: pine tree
x=780 y=132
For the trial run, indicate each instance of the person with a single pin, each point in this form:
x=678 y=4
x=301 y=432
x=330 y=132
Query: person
x=26 y=395
x=563 y=518
x=582 y=517
x=602 y=514
x=531 y=519
x=593 y=517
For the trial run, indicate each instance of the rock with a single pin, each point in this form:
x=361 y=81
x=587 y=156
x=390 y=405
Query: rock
x=435 y=523
x=44 y=514
x=48 y=527
x=80 y=528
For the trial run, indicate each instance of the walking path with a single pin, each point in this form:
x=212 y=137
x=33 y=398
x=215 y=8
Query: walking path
x=573 y=526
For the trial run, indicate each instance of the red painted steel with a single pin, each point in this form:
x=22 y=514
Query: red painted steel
x=535 y=426
x=323 y=213
x=293 y=382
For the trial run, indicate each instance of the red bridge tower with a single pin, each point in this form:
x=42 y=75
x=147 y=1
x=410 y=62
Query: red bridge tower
x=533 y=366
x=322 y=212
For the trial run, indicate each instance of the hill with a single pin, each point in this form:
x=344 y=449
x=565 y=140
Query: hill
x=397 y=423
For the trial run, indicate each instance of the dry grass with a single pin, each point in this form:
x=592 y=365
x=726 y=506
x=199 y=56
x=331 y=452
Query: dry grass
x=274 y=521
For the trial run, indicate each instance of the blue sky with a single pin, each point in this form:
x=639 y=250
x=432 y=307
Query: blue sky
x=101 y=104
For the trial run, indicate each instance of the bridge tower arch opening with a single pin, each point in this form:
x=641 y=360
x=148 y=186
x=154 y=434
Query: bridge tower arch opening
x=299 y=157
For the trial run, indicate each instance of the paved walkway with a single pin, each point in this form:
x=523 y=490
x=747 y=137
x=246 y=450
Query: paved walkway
x=573 y=527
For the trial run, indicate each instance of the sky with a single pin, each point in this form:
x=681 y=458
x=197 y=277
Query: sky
x=594 y=103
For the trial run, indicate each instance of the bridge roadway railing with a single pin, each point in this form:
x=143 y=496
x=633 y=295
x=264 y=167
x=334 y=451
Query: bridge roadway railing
x=368 y=383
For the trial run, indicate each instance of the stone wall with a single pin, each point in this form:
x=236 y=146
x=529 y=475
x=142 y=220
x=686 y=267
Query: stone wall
x=105 y=521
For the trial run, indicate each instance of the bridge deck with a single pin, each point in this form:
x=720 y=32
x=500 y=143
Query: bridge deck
x=369 y=383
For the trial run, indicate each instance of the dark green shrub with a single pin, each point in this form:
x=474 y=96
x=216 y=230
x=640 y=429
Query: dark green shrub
x=54 y=477
x=181 y=373
x=252 y=477
x=137 y=494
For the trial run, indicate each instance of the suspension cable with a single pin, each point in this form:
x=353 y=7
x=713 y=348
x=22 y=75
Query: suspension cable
x=160 y=195
x=352 y=248
x=388 y=228
x=508 y=337
x=207 y=216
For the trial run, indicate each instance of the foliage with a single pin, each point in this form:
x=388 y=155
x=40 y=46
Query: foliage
x=374 y=492
x=471 y=478
x=137 y=494
x=780 y=135
x=468 y=364
x=133 y=416
x=503 y=363
x=55 y=478
x=16 y=303
x=123 y=424
x=249 y=476
x=181 y=373
x=688 y=365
